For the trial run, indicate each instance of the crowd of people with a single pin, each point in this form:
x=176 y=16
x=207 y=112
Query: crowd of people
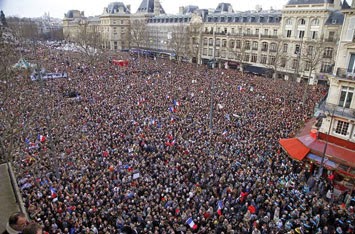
x=165 y=147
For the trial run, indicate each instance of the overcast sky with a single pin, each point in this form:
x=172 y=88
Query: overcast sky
x=57 y=8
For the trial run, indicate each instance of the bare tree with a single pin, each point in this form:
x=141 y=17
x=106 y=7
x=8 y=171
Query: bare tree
x=89 y=40
x=180 y=41
x=139 y=32
x=311 y=57
x=238 y=48
x=195 y=31
x=277 y=57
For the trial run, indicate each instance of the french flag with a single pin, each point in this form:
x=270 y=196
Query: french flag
x=191 y=223
x=41 y=138
x=53 y=192
x=240 y=88
x=224 y=133
x=172 y=109
x=219 y=207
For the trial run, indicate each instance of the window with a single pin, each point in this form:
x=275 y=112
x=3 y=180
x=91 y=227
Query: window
x=257 y=31
x=263 y=59
x=351 y=66
x=266 y=31
x=326 y=68
x=264 y=46
x=246 y=57
x=285 y=48
x=204 y=51
x=331 y=36
x=273 y=47
x=247 y=45
x=328 y=52
x=314 y=34
x=289 y=21
x=231 y=44
x=307 y=66
x=302 y=22
x=275 y=32
x=254 y=58
x=315 y=22
x=224 y=43
x=346 y=96
x=205 y=41
x=342 y=128
x=210 y=52
x=210 y=42
x=218 y=42
x=301 y=34
x=288 y=33
x=272 y=60
x=238 y=44
x=297 y=49
x=255 y=45
x=294 y=63
x=248 y=31
x=232 y=31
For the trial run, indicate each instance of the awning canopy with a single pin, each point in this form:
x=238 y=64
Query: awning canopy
x=295 y=148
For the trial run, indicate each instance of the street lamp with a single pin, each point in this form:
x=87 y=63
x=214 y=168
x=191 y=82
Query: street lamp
x=327 y=113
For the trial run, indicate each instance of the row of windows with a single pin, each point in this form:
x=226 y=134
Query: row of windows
x=314 y=22
x=254 y=45
x=170 y=20
x=283 y=62
x=245 y=19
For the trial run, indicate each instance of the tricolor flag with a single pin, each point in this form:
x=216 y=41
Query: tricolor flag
x=240 y=88
x=172 y=109
x=27 y=141
x=219 y=207
x=191 y=223
x=53 y=192
x=41 y=138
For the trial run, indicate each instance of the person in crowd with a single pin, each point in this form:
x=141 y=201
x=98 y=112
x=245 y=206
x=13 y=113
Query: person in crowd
x=16 y=223
x=32 y=228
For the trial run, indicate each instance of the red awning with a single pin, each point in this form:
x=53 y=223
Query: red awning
x=295 y=148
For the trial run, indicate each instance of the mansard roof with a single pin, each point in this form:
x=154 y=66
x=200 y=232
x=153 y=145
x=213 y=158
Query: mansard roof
x=335 y=18
x=270 y=17
x=300 y=2
x=224 y=8
x=190 y=9
x=147 y=6
x=117 y=7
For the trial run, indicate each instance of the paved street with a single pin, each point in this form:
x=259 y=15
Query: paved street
x=8 y=203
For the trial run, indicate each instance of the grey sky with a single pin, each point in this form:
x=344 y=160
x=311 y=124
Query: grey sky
x=57 y=8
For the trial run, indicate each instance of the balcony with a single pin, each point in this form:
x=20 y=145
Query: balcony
x=268 y=36
x=251 y=35
x=345 y=74
x=329 y=40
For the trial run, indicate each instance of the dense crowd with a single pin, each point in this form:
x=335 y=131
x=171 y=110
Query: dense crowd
x=167 y=147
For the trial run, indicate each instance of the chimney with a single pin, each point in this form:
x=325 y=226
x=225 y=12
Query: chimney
x=353 y=4
x=129 y=7
x=181 y=10
x=156 y=7
x=337 y=4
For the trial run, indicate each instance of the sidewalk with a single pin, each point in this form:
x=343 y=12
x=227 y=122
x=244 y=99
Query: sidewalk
x=8 y=203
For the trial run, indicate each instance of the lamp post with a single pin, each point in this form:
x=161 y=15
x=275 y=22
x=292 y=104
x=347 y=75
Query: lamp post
x=326 y=143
